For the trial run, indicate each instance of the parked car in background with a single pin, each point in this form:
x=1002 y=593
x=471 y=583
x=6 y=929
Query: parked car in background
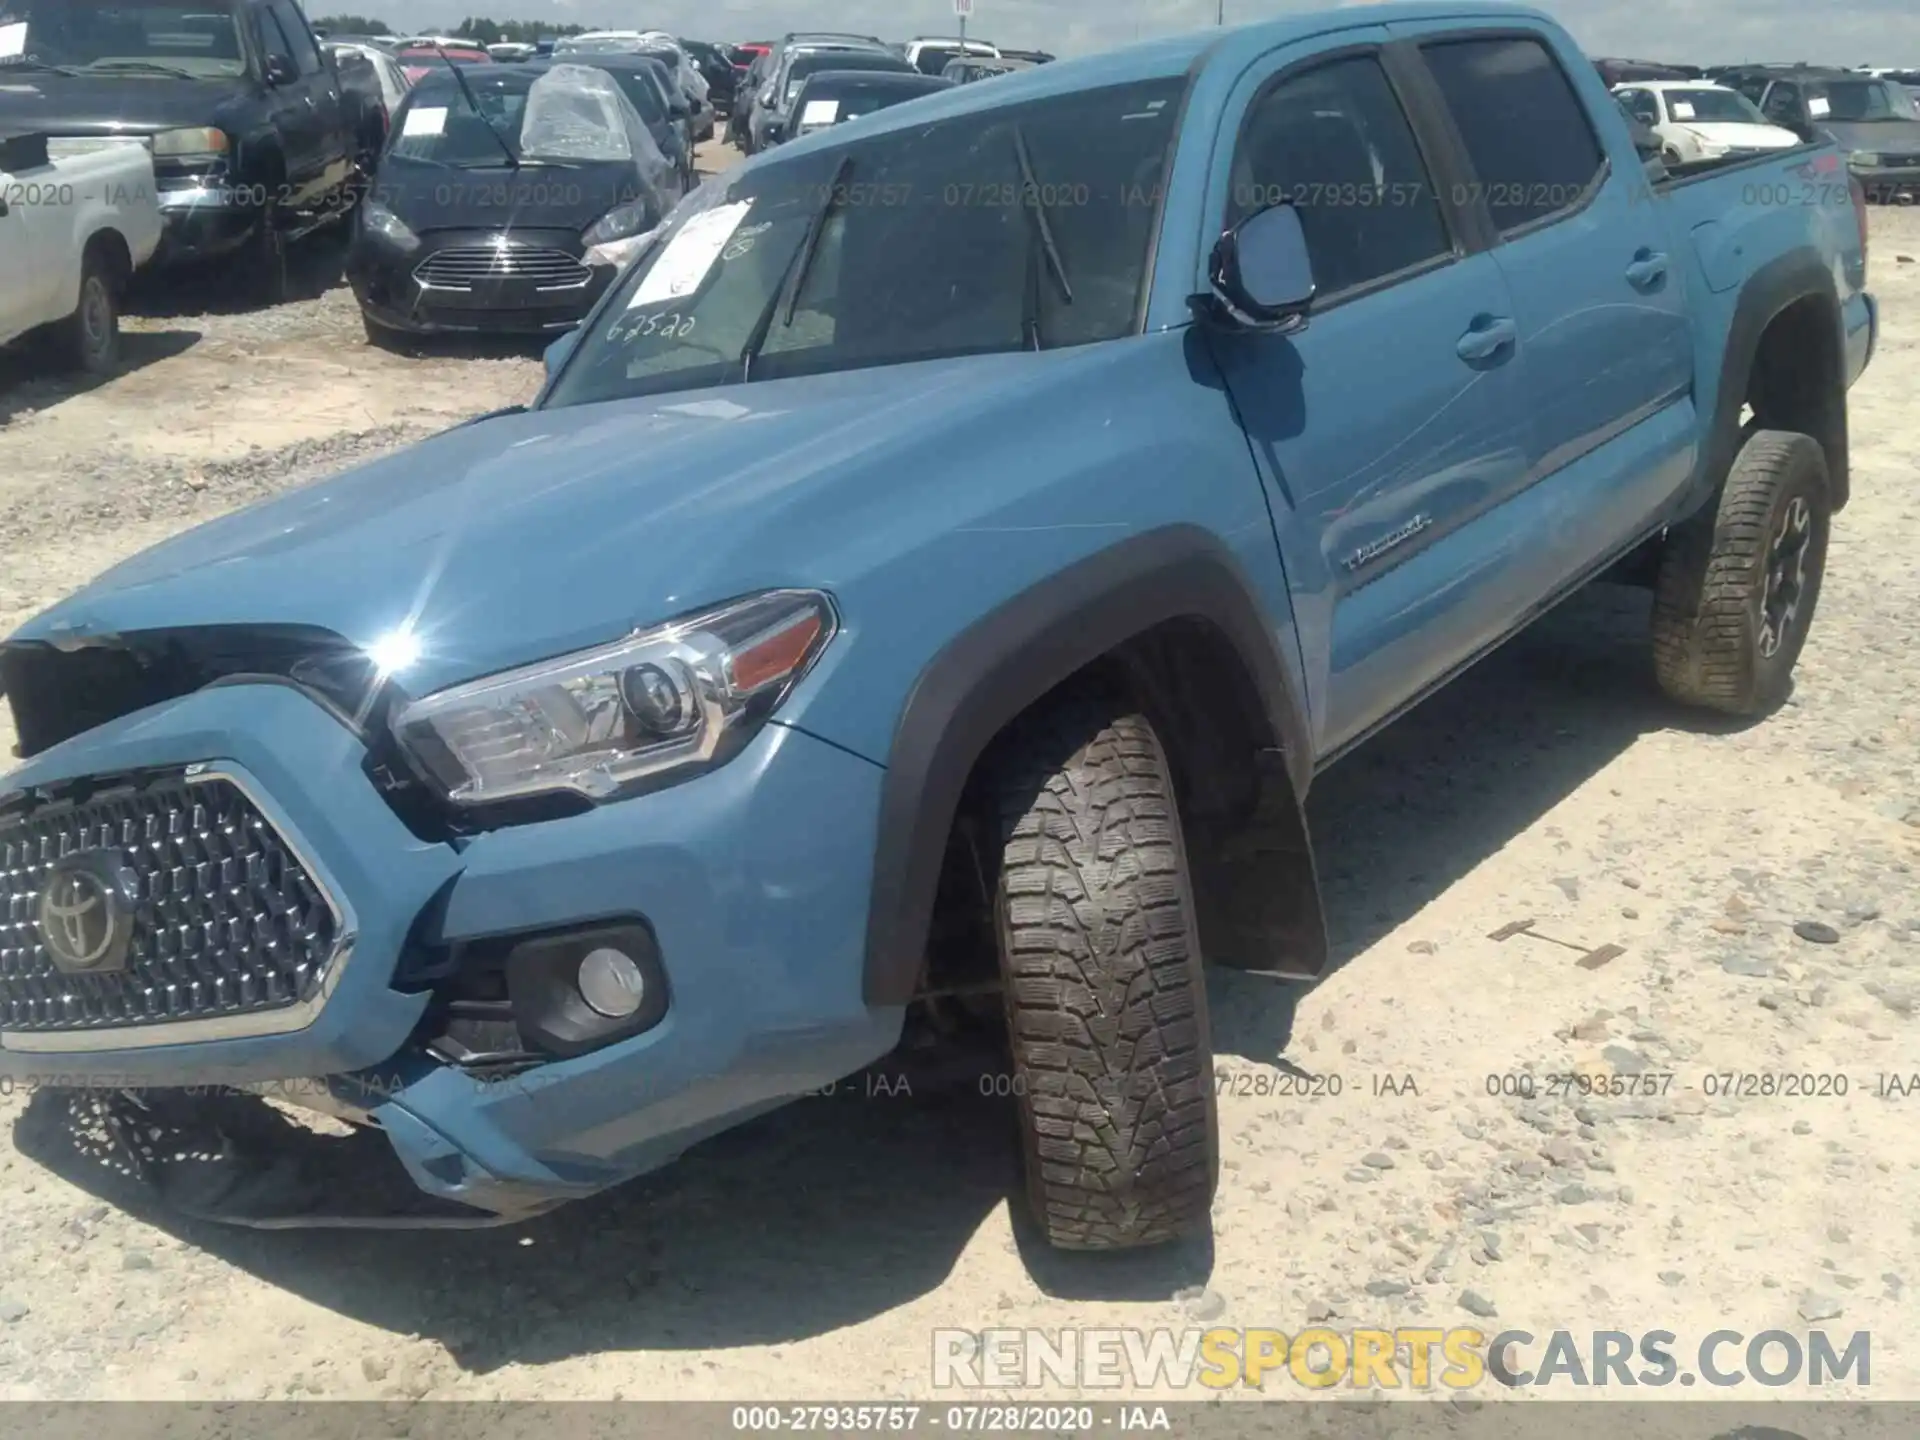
x=937 y=571
x=969 y=68
x=664 y=47
x=833 y=97
x=773 y=106
x=1876 y=124
x=932 y=54
x=390 y=78
x=740 y=117
x=511 y=52
x=508 y=218
x=253 y=141
x=1032 y=57
x=1697 y=121
x=650 y=89
x=417 y=60
x=376 y=84
x=744 y=54
x=1618 y=72
x=722 y=79
x=73 y=231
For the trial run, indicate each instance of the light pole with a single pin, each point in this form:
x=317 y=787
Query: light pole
x=1220 y=13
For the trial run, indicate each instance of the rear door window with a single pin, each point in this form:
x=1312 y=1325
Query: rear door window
x=1526 y=131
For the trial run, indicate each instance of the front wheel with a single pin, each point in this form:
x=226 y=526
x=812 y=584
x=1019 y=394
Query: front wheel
x=89 y=339
x=1105 y=1001
x=1738 y=583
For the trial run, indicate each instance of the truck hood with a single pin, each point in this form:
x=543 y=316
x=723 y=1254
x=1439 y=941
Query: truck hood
x=1885 y=137
x=528 y=535
x=1742 y=136
x=110 y=104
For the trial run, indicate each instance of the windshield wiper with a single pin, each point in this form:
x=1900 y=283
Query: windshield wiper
x=796 y=273
x=513 y=160
x=150 y=66
x=1039 y=213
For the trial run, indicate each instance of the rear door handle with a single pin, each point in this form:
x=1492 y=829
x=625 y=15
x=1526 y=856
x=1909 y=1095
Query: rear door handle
x=1490 y=334
x=1648 y=269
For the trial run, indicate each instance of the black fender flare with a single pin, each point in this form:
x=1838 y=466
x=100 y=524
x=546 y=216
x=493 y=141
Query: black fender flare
x=1781 y=282
x=1010 y=658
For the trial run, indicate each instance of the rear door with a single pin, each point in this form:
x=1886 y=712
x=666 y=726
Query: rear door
x=1395 y=420
x=1598 y=282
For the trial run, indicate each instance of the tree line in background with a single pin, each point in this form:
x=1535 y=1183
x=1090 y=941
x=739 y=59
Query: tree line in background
x=491 y=32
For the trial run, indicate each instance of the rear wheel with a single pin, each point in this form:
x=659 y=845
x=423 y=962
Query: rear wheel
x=1738 y=584
x=89 y=339
x=1105 y=1000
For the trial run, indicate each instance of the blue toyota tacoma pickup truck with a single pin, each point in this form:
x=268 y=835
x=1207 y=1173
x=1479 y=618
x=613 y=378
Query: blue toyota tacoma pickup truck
x=936 y=571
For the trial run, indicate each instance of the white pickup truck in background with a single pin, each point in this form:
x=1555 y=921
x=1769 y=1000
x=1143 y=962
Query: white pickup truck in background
x=73 y=228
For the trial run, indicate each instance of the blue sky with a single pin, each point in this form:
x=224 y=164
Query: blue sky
x=1847 y=32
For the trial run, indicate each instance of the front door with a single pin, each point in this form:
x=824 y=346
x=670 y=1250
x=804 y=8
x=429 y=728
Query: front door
x=1393 y=422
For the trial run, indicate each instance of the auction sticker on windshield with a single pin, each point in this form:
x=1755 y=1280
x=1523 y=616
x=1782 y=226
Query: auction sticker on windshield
x=428 y=120
x=1682 y=110
x=684 y=264
x=820 y=112
x=1818 y=105
x=13 y=40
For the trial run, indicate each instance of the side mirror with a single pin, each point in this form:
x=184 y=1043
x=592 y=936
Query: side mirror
x=557 y=353
x=280 y=70
x=1260 y=273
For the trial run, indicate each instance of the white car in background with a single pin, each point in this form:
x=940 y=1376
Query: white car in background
x=1700 y=121
x=74 y=226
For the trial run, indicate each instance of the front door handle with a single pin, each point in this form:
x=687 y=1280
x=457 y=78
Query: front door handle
x=1648 y=269
x=1490 y=334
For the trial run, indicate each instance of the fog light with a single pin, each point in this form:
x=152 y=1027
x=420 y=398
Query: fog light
x=611 y=983
x=573 y=991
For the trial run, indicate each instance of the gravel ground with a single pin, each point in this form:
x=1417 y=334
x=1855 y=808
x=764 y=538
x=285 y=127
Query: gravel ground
x=1759 y=881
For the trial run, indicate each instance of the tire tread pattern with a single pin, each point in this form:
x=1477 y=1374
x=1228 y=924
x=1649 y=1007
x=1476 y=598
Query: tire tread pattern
x=1105 y=999
x=1712 y=575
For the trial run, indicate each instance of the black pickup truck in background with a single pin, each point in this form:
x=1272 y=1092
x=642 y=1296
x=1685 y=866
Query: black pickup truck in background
x=255 y=142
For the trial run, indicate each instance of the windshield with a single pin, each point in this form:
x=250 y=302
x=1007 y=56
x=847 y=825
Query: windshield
x=131 y=35
x=1712 y=106
x=935 y=58
x=1859 y=100
x=923 y=249
x=568 y=114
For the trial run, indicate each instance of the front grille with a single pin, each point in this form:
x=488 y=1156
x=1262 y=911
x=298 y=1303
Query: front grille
x=461 y=267
x=226 y=921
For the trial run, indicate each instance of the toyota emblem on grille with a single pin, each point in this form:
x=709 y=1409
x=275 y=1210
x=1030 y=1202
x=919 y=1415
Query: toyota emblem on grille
x=85 y=914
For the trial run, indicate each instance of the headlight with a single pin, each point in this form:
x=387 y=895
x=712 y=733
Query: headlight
x=618 y=224
x=381 y=221
x=684 y=696
x=620 y=253
x=203 y=142
x=1864 y=160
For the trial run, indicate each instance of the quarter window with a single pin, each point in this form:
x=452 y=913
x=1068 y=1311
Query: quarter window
x=306 y=55
x=1334 y=143
x=1526 y=131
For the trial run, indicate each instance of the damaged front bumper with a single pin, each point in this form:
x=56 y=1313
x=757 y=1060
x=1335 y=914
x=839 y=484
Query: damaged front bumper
x=751 y=881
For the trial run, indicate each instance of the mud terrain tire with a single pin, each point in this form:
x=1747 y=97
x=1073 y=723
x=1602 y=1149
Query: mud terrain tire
x=1738 y=583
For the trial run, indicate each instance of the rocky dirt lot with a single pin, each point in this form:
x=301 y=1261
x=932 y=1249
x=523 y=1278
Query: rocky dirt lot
x=1760 y=882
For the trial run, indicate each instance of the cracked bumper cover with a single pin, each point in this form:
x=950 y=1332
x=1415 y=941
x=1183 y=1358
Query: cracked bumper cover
x=754 y=878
